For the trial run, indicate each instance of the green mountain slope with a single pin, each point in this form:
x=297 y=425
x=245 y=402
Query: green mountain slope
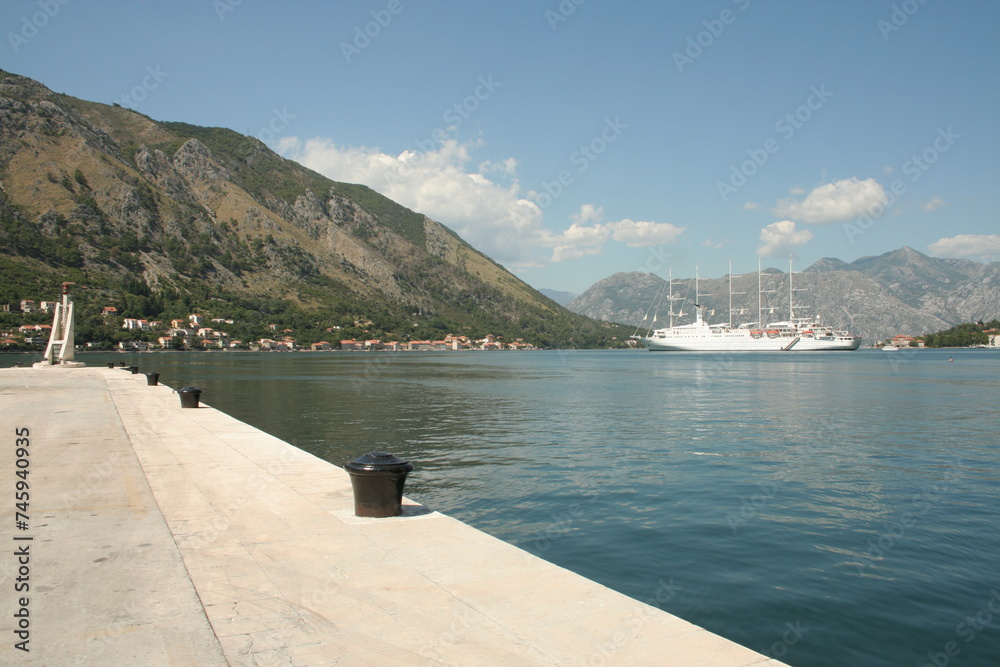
x=160 y=218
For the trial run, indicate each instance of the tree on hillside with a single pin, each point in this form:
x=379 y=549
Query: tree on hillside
x=963 y=335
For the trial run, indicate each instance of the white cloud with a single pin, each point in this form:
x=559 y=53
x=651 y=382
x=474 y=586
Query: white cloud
x=484 y=206
x=582 y=239
x=567 y=253
x=983 y=246
x=642 y=234
x=934 y=204
x=750 y=205
x=779 y=239
x=834 y=202
x=581 y=235
x=588 y=213
x=486 y=211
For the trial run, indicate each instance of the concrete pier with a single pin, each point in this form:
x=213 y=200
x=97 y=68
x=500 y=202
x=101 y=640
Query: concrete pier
x=156 y=535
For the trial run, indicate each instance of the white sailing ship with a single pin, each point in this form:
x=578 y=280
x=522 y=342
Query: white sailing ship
x=793 y=334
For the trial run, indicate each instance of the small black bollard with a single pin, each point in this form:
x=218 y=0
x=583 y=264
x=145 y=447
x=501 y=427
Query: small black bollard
x=377 y=479
x=121 y=364
x=133 y=369
x=189 y=396
x=152 y=379
x=111 y=364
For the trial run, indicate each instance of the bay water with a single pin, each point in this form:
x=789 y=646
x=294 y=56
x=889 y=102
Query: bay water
x=824 y=508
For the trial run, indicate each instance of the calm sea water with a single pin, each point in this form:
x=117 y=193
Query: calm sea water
x=828 y=509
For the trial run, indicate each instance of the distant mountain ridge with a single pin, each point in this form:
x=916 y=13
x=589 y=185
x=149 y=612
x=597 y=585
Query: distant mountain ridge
x=559 y=296
x=899 y=292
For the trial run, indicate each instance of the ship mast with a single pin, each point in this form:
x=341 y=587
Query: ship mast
x=698 y=308
x=672 y=298
x=760 y=309
x=670 y=295
x=731 y=292
x=791 y=311
x=792 y=290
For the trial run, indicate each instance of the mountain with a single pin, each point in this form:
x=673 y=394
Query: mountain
x=162 y=218
x=899 y=292
x=828 y=264
x=560 y=297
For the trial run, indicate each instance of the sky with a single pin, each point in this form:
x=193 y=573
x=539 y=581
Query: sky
x=573 y=139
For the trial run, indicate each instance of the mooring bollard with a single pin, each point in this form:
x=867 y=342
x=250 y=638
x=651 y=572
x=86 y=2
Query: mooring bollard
x=377 y=479
x=152 y=379
x=133 y=369
x=111 y=364
x=189 y=396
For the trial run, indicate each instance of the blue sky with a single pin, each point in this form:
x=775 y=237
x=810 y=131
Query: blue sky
x=572 y=139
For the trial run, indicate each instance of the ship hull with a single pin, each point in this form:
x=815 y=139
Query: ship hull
x=742 y=341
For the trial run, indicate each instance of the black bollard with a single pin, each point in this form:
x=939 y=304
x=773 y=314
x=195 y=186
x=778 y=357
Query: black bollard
x=189 y=396
x=133 y=369
x=111 y=364
x=377 y=479
x=152 y=379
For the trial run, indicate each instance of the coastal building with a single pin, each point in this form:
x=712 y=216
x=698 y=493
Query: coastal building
x=48 y=306
x=196 y=320
x=28 y=306
x=350 y=344
x=132 y=324
x=165 y=342
x=320 y=346
x=902 y=341
x=109 y=311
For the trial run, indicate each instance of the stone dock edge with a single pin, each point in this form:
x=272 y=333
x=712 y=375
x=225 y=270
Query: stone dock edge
x=159 y=535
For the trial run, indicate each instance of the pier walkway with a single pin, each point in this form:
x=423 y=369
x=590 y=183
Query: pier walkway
x=156 y=535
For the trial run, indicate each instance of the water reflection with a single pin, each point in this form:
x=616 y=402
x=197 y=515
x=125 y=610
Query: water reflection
x=757 y=482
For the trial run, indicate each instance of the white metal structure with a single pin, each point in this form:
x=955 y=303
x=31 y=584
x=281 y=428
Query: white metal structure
x=60 y=350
